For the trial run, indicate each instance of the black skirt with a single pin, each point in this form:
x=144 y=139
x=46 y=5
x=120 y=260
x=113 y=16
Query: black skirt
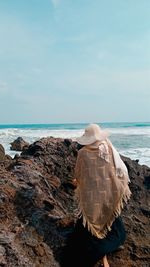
x=84 y=249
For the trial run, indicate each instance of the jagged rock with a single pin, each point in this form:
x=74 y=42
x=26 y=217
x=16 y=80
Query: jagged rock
x=19 y=144
x=38 y=212
x=2 y=153
x=4 y=158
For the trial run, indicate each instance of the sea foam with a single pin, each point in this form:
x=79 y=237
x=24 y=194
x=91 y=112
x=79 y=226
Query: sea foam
x=131 y=140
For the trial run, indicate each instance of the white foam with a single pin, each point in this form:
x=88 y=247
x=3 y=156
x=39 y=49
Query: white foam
x=142 y=154
x=130 y=137
x=9 y=135
x=130 y=131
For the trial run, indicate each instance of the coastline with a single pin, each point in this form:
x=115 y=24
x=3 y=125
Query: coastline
x=131 y=139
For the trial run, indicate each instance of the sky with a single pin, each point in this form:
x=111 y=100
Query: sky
x=75 y=61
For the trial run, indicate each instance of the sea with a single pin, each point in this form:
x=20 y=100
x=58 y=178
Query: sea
x=130 y=139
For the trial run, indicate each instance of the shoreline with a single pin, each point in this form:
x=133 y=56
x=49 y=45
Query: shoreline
x=13 y=153
x=132 y=142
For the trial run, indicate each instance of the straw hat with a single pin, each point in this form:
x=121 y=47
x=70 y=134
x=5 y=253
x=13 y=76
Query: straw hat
x=92 y=134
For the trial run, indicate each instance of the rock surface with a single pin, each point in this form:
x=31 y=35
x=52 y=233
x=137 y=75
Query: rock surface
x=37 y=209
x=4 y=158
x=19 y=144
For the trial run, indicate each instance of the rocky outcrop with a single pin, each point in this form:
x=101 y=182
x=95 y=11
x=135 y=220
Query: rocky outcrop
x=19 y=144
x=2 y=153
x=38 y=212
x=4 y=157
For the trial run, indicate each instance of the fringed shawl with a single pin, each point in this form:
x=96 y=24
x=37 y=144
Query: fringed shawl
x=102 y=187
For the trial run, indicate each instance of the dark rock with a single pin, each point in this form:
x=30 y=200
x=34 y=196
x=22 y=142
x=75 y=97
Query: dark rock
x=38 y=211
x=19 y=144
x=2 y=153
x=4 y=158
x=147 y=181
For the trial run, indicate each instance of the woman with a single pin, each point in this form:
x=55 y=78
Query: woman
x=102 y=189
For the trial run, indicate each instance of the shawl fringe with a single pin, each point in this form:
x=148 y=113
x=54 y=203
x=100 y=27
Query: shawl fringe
x=103 y=232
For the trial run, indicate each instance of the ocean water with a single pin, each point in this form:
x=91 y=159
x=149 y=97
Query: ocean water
x=131 y=139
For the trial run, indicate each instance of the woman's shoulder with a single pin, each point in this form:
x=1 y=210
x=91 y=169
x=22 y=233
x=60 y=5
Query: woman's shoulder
x=82 y=151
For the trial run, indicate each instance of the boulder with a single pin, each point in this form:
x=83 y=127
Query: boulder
x=19 y=144
x=4 y=158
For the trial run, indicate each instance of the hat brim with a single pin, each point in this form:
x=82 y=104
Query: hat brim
x=84 y=140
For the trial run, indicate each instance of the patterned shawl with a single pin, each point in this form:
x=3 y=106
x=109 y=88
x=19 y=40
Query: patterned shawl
x=101 y=190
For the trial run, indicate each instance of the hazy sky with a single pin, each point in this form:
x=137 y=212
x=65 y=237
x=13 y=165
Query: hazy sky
x=74 y=61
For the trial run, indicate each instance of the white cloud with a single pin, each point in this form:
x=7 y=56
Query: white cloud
x=102 y=55
x=3 y=87
x=100 y=82
x=55 y=3
x=37 y=70
x=79 y=38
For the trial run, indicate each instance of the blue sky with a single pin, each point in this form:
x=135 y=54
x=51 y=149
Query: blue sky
x=74 y=61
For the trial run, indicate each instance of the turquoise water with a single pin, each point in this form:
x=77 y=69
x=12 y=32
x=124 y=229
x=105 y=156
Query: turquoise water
x=75 y=125
x=131 y=139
